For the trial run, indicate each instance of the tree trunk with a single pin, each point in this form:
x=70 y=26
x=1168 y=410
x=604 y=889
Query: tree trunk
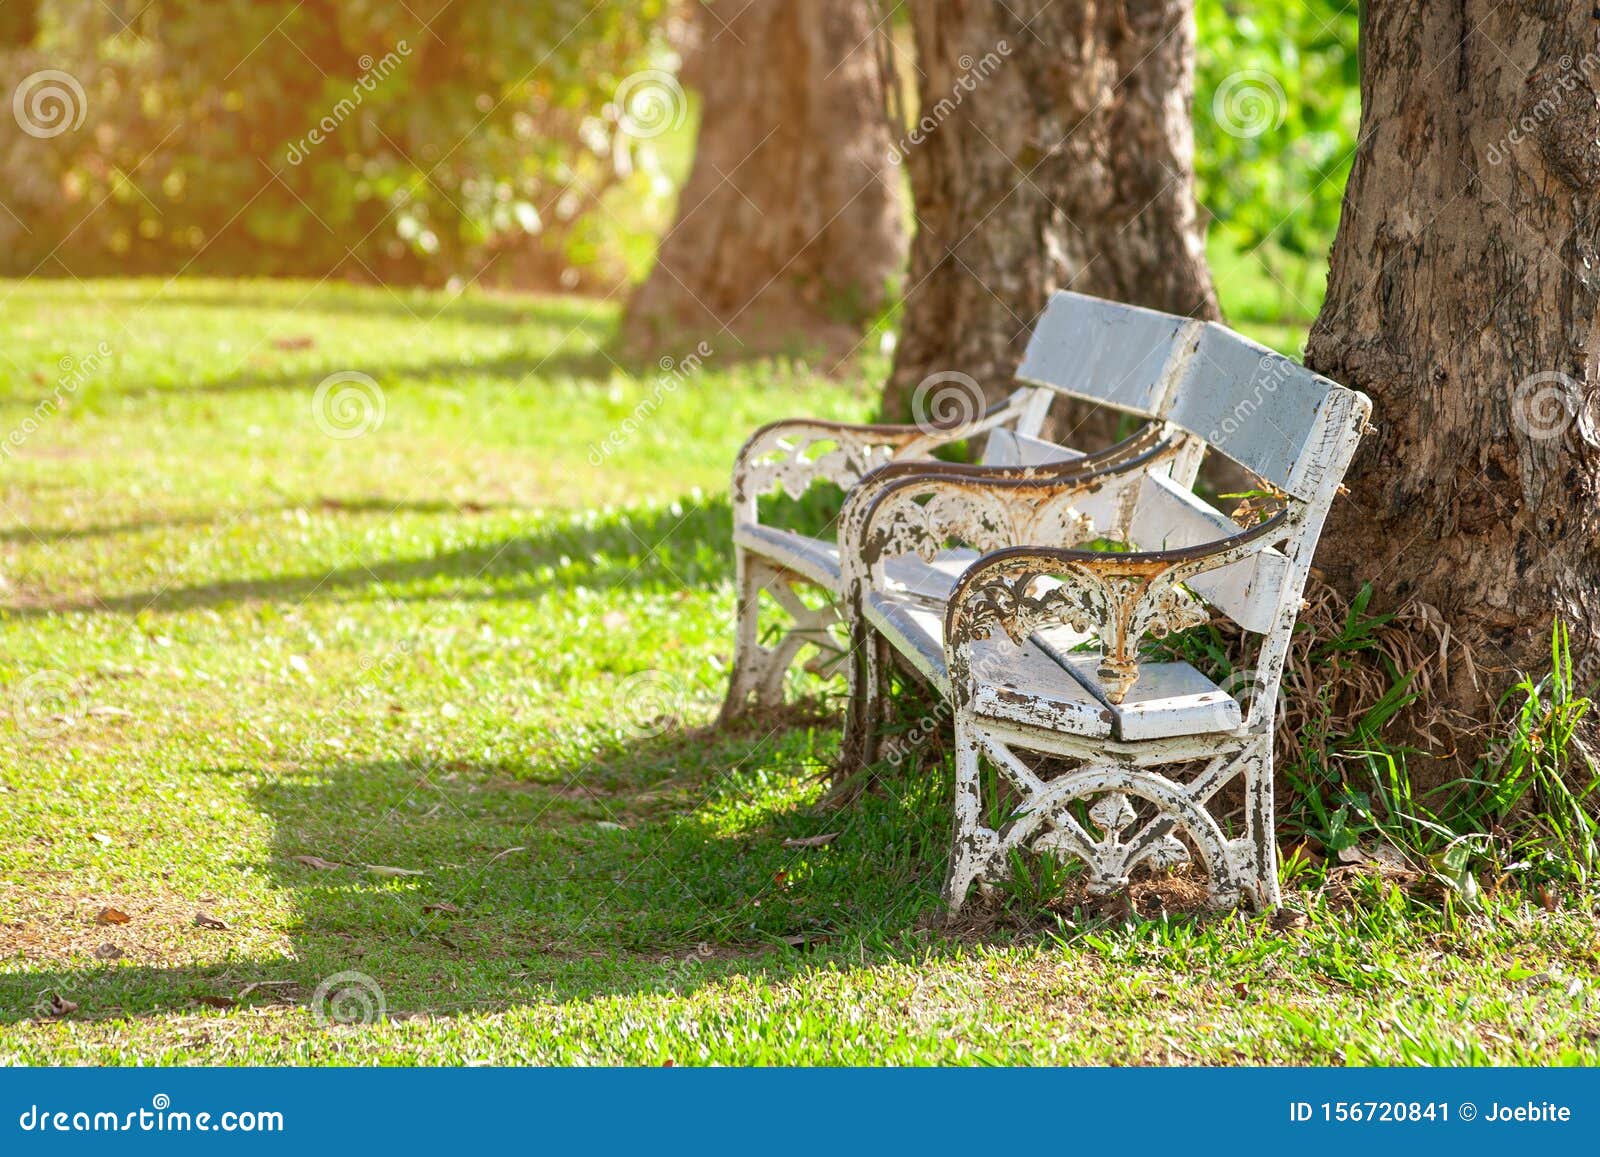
x=1464 y=297
x=1053 y=150
x=790 y=221
x=19 y=23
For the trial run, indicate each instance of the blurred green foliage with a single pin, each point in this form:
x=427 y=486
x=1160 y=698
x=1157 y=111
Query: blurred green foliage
x=1277 y=110
x=369 y=138
x=470 y=139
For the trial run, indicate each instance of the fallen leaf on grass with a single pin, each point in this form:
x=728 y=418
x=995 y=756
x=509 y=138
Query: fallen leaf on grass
x=609 y=826
x=505 y=852
x=110 y=915
x=217 y=1001
x=821 y=841
x=316 y=862
x=293 y=343
x=206 y=920
x=441 y=906
x=1286 y=919
x=1388 y=860
x=1306 y=852
x=108 y=952
x=1391 y=860
x=249 y=988
x=390 y=873
x=58 y=1005
x=101 y=838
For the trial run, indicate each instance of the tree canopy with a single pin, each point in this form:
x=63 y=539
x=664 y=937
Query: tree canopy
x=347 y=140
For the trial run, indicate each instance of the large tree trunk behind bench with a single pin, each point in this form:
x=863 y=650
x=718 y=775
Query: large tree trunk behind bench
x=1464 y=298
x=1056 y=152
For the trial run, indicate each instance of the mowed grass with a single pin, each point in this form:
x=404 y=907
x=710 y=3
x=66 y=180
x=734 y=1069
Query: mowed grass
x=421 y=718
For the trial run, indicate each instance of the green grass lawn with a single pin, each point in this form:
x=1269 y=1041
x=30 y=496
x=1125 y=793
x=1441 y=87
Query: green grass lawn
x=453 y=645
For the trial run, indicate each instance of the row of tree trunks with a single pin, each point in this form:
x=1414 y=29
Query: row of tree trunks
x=1054 y=150
x=790 y=221
x=1464 y=298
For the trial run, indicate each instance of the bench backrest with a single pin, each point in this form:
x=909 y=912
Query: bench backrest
x=1265 y=411
x=1272 y=416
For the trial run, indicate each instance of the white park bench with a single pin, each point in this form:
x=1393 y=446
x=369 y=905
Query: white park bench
x=1021 y=591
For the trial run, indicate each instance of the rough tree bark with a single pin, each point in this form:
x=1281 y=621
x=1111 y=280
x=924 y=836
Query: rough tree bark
x=790 y=220
x=1464 y=298
x=1053 y=150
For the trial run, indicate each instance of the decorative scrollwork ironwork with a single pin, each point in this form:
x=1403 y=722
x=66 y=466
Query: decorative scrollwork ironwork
x=1121 y=598
x=925 y=517
x=783 y=456
x=1116 y=841
x=1119 y=606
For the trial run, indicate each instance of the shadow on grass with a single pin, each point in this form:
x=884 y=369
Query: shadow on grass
x=49 y=534
x=655 y=866
x=648 y=548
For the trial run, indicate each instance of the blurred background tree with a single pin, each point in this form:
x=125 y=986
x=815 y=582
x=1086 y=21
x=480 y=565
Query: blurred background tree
x=790 y=219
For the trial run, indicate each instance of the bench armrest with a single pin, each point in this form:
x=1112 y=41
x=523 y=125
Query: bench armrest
x=1119 y=597
x=1166 y=442
x=917 y=507
x=779 y=453
x=1151 y=445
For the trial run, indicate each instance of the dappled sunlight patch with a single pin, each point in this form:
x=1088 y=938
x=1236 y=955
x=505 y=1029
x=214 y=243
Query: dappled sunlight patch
x=164 y=927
